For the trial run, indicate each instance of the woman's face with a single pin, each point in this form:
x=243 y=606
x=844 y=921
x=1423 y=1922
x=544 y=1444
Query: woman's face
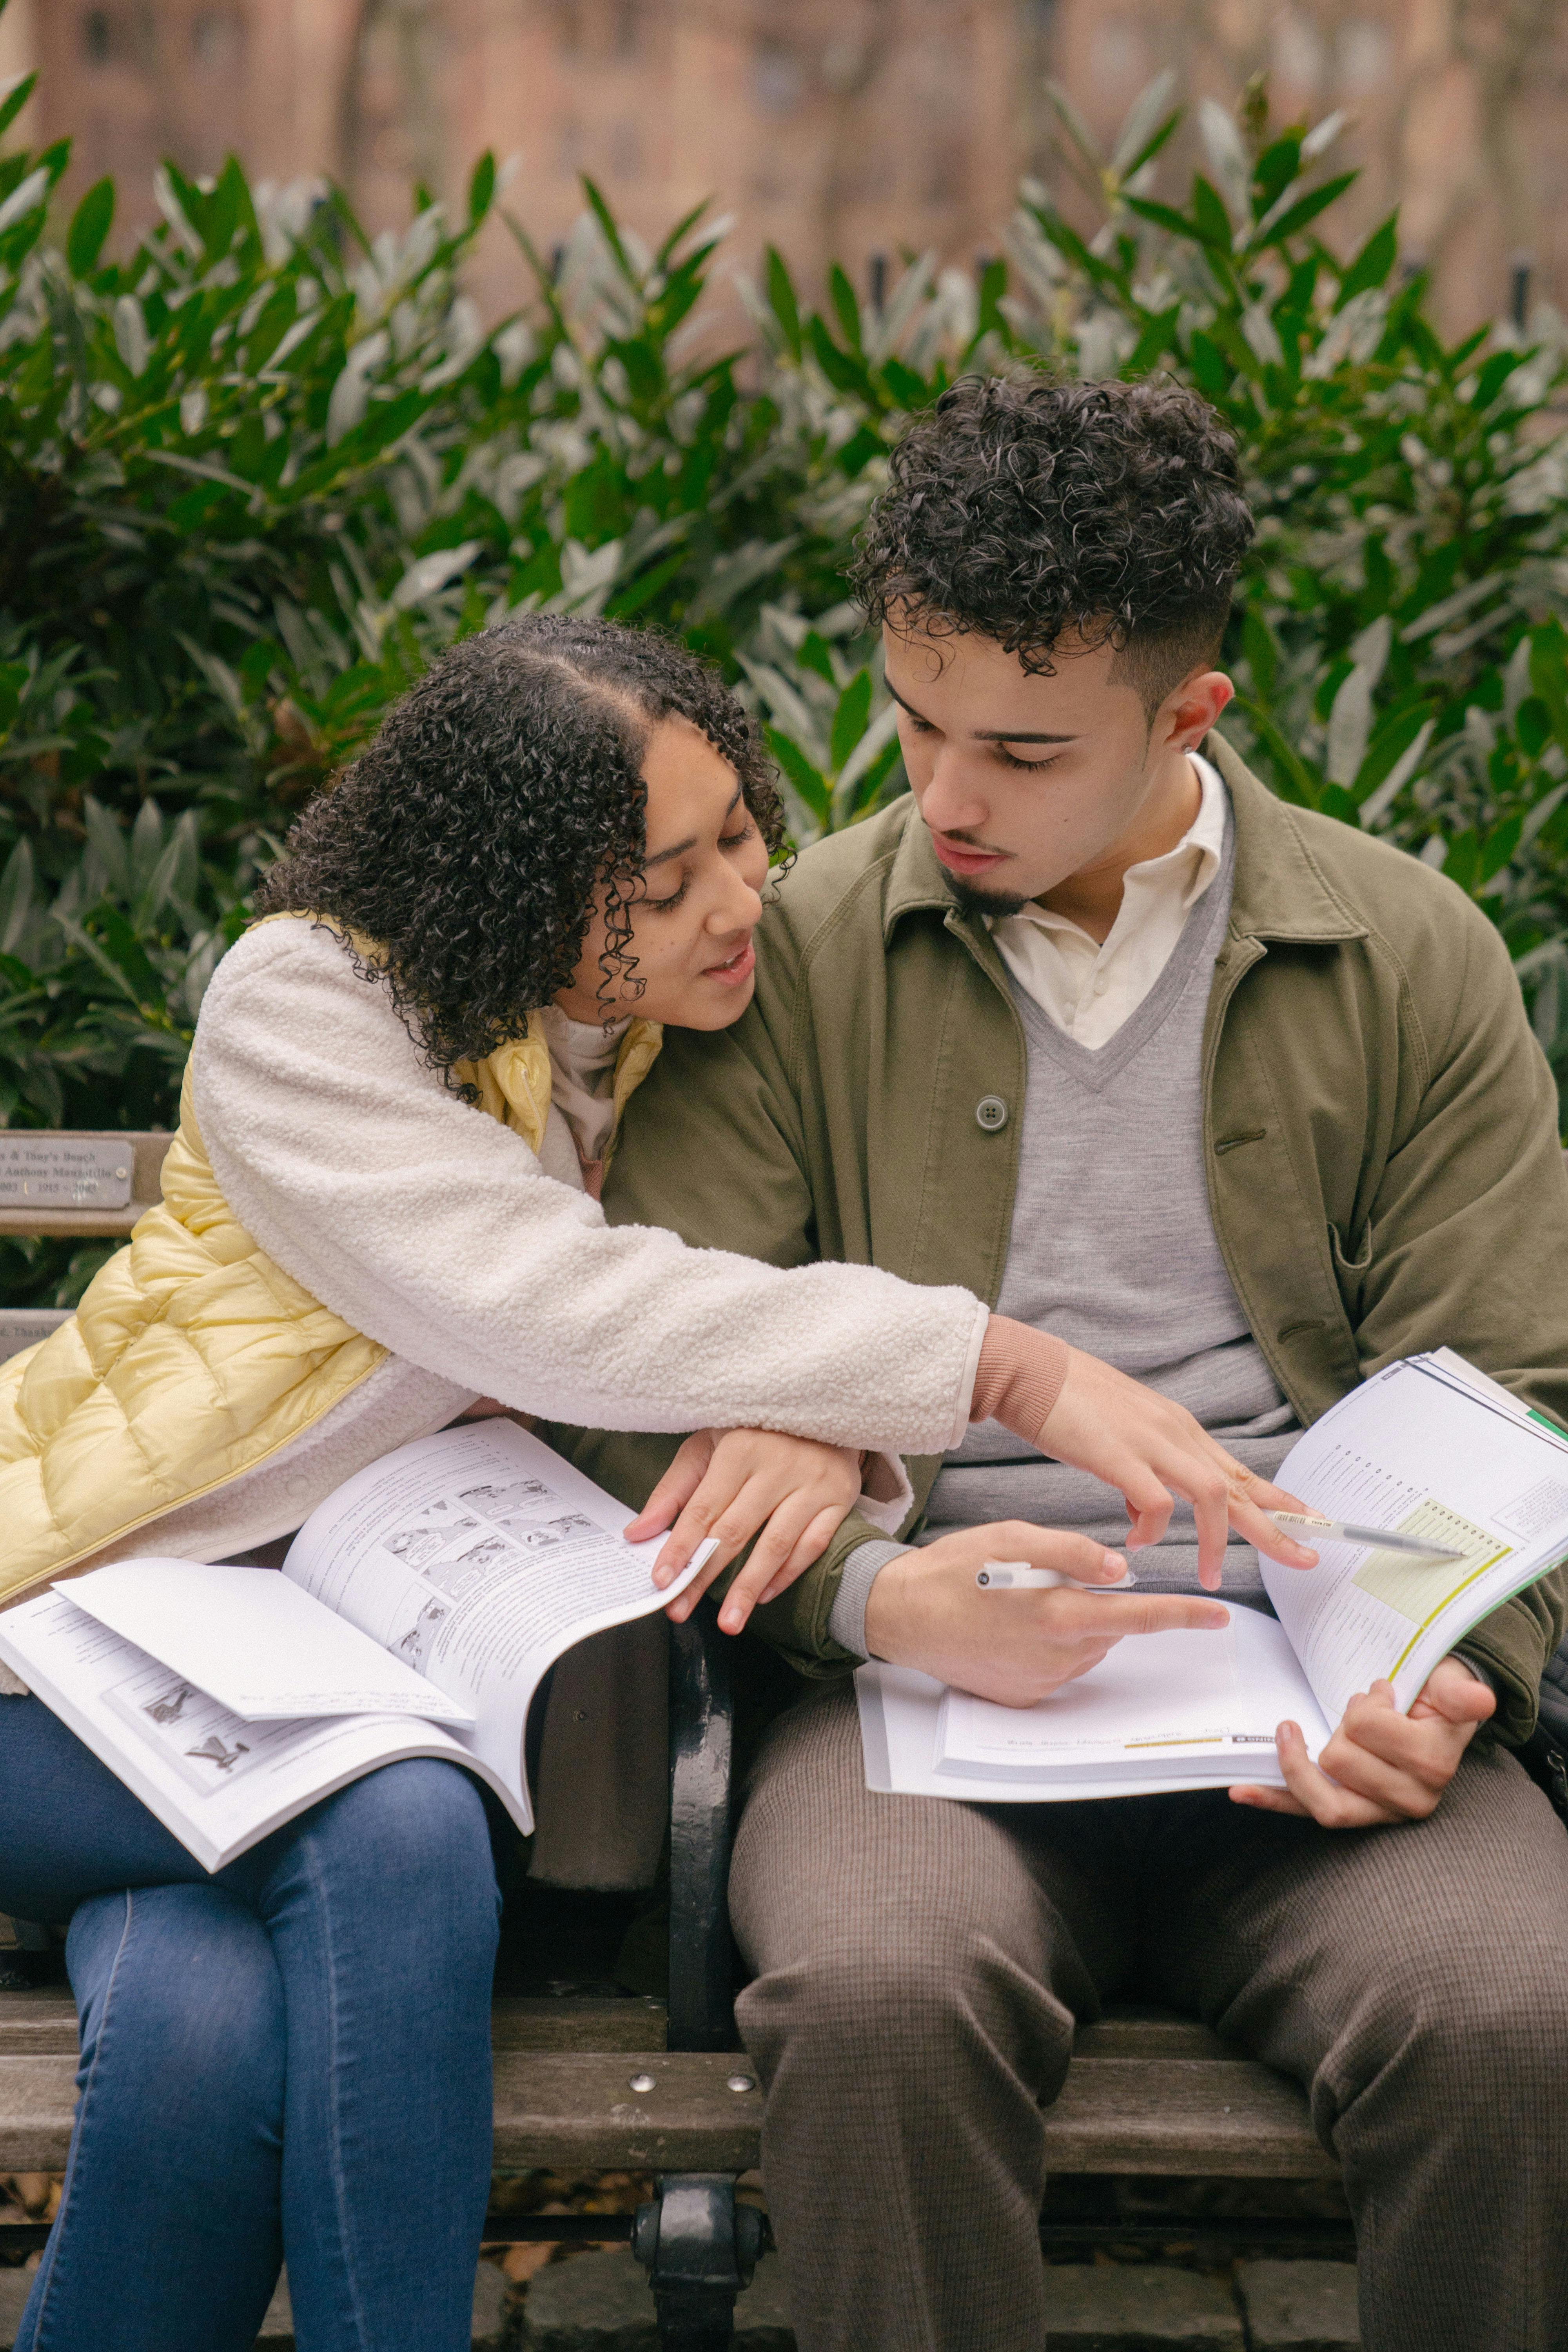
x=694 y=907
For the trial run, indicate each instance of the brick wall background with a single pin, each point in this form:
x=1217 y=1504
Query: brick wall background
x=845 y=127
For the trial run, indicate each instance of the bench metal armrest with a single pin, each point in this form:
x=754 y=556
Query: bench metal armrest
x=701 y=1712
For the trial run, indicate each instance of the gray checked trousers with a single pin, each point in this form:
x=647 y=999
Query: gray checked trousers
x=918 y=1967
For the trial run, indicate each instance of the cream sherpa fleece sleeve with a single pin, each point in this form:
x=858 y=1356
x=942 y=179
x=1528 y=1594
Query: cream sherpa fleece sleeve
x=432 y=1229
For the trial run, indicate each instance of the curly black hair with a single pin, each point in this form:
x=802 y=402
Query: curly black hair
x=468 y=840
x=1027 y=507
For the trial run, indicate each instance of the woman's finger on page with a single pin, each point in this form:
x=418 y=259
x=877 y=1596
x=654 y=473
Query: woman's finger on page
x=675 y=1489
x=740 y=1517
x=773 y=1566
x=785 y=1524
x=700 y=1518
x=810 y=1548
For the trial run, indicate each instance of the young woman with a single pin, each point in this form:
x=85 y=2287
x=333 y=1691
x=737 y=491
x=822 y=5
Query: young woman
x=380 y=1209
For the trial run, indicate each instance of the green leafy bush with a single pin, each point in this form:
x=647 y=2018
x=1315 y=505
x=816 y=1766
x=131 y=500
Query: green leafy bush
x=256 y=472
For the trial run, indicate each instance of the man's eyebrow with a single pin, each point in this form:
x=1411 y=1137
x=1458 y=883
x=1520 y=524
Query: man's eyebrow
x=986 y=734
x=679 y=848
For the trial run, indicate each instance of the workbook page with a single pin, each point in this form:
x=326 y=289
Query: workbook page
x=477 y=1556
x=256 y=1642
x=217 y=1781
x=1412 y=1453
x=1157 y=1700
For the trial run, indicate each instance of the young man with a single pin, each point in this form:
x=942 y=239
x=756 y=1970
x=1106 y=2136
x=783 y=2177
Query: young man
x=1246 y=1104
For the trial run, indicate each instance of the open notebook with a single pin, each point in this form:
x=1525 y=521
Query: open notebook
x=1429 y=1447
x=416 y=1614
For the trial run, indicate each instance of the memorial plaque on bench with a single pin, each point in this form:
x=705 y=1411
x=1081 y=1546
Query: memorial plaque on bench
x=24 y=1326
x=59 y=1171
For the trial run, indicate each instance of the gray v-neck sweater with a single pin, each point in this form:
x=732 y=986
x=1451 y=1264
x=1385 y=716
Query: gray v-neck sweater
x=1113 y=1248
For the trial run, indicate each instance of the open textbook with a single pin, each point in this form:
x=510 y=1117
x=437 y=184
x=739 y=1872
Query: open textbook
x=416 y=1614
x=1429 y=1448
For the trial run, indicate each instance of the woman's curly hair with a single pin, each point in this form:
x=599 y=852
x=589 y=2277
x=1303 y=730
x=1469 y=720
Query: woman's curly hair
x=1027 y=508
x=468 y=839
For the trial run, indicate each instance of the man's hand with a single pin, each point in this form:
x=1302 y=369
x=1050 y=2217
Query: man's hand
x=925 y=1610
x=1379 y=1766
x=728 y=1482
x=1149 y=1449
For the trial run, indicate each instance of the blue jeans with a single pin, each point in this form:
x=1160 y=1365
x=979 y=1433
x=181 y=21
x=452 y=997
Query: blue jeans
x=290 y=2059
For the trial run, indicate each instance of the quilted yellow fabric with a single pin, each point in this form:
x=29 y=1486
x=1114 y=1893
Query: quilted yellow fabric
x=193 y=1357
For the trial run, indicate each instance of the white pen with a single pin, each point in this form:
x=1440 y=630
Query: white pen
x=1016 y=1575
x=1317 y=1530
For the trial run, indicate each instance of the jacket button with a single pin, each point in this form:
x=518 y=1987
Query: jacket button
x=991 y=1113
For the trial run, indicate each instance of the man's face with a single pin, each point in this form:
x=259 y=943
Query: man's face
x=1024 y=780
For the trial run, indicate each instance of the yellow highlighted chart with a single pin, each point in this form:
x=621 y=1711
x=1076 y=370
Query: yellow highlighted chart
x=1418 y=1588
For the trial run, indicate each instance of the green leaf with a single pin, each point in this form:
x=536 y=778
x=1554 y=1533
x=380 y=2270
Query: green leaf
x=808 y=781
x=1151 y=146
x=1262 y=653
x=15 y=100
x=846 y=309
x=1549 y=674
x=1500 y=845
x=1165 y=216
x=860 y=450
x=908 y=389
x=1298 y=781
x=812 y=653
x=869 y=792
x=105 y=837
x=606 y=221
x=1462 y=863
x=146 y=849
x=1212 y=371
x=850 y=718
x=481 y=188
x=1293 y=222
x=1210 y=218
x=1493 y=376
x=15 y=896
x=1158 y=335
x=781 y=300
x=1533 y=725
x=1372 y=263
x=91 y=224
x=1274 y=171
x=844 y=370
x=670 y=245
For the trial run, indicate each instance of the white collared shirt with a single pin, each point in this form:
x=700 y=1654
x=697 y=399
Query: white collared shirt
x=1087 y=988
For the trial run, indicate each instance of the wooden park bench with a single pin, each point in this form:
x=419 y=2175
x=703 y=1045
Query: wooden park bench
x=586 y=2083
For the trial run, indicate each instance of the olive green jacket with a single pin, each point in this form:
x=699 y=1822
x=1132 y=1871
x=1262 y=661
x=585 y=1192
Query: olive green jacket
x=1380 y=1131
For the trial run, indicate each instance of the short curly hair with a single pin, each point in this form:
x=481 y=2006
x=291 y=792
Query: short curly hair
x=468 y=840
x=1027 y=507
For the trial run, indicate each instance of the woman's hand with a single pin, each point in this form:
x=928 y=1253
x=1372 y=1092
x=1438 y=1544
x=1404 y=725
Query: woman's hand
x=728 y=1482
x=1381 y=1765
x=1149 y=1449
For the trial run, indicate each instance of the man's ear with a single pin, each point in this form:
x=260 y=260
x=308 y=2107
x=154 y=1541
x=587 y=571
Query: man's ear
x=1186 y=716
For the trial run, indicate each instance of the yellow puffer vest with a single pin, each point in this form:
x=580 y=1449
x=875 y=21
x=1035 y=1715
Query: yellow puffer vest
x=193 y=1357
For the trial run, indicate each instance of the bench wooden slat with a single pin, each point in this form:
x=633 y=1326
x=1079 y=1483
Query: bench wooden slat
x=37 y=2100
x=1230 y=2116
x=42 y=2024
x=578 y=2108
x=1143 y=2095
x=1127 y=2035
